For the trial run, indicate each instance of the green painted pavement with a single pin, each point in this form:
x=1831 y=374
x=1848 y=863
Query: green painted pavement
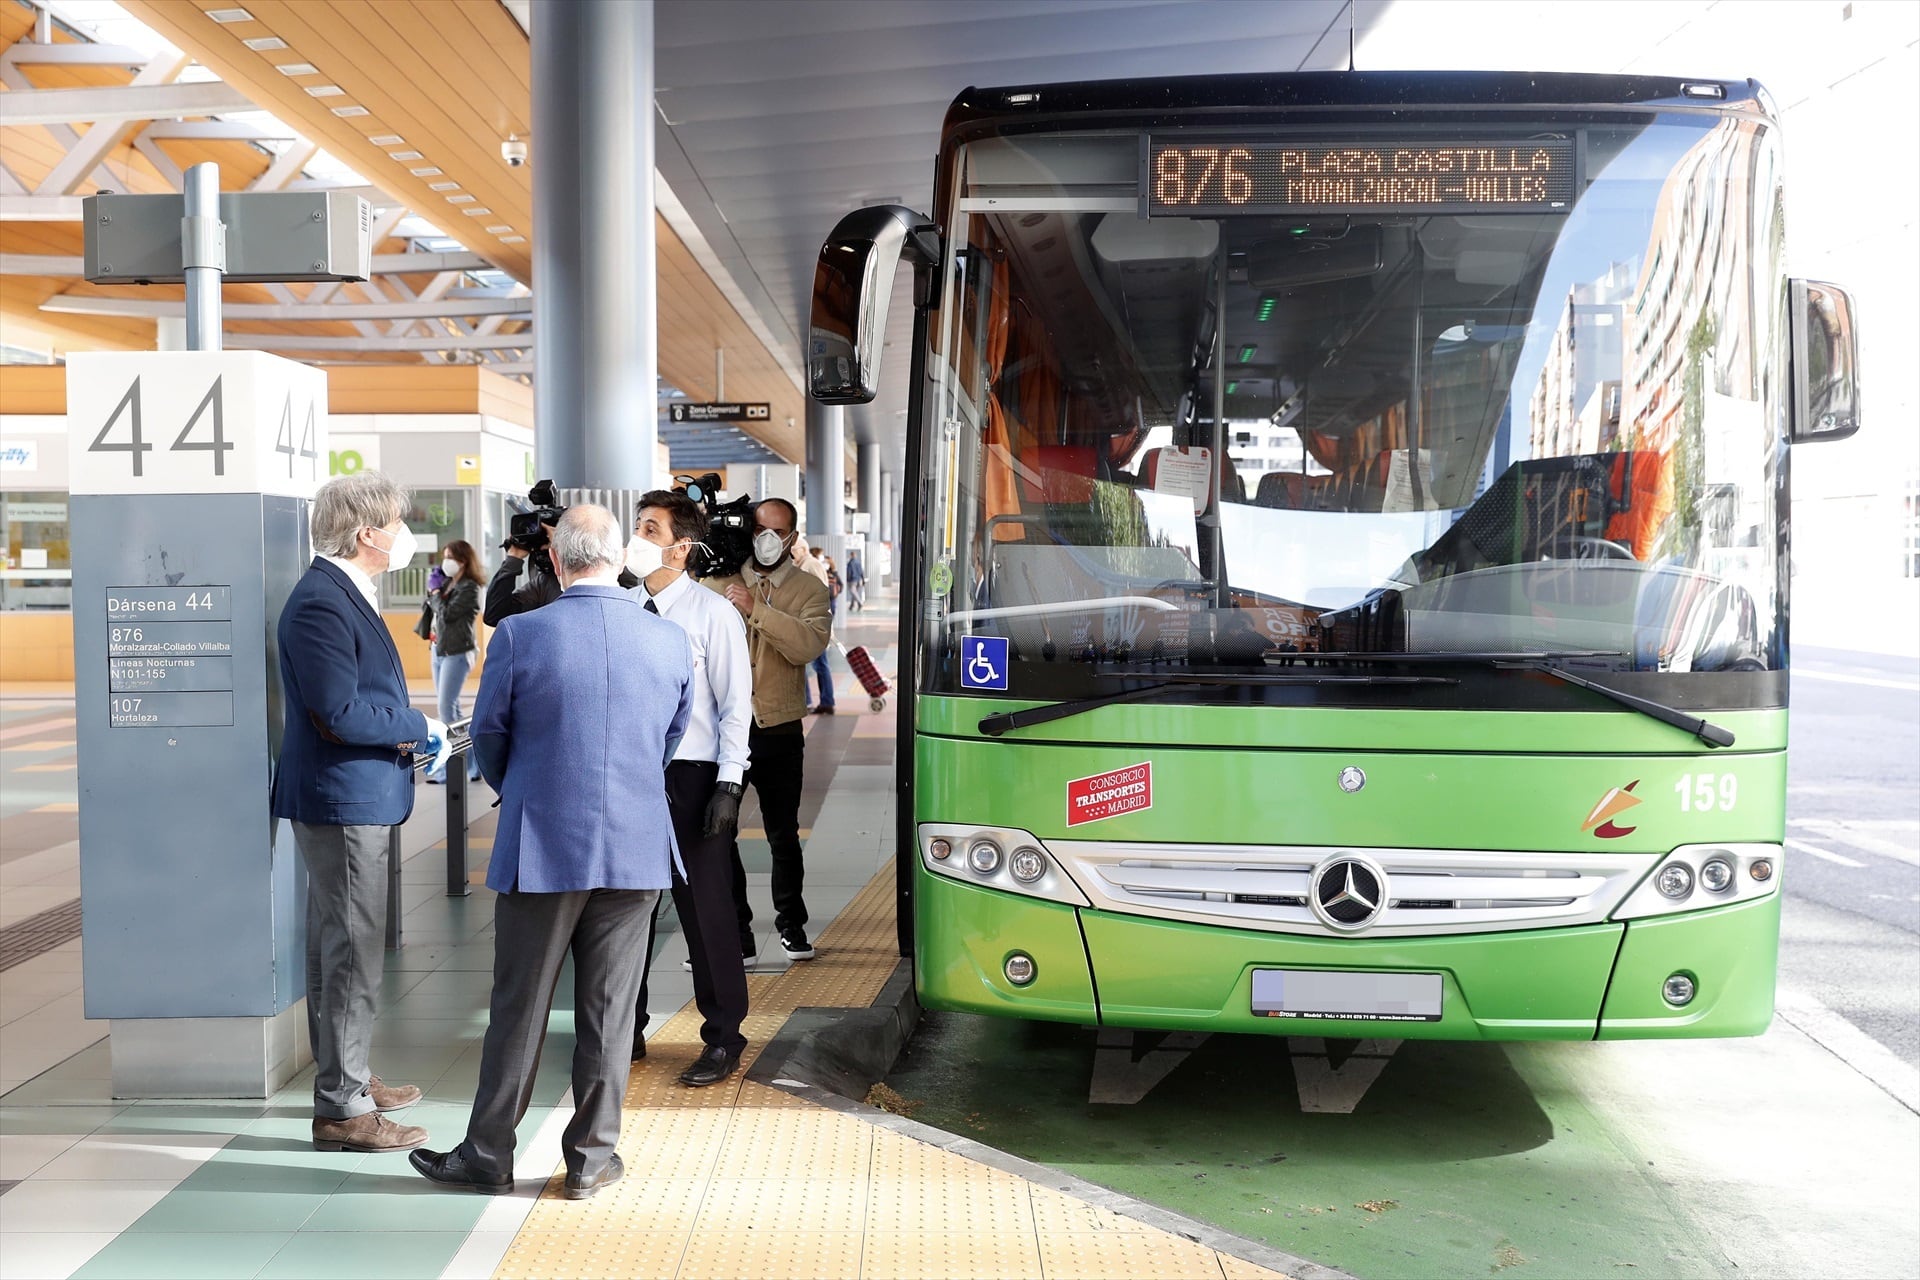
x=1478 y=1159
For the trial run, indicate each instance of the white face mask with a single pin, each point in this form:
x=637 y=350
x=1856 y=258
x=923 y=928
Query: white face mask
x=643 y=557
x=449 y=566
x=769 y=548
x=400 y=550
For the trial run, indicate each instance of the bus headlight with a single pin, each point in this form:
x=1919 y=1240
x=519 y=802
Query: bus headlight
x=1027 y=864
x=1716 y=874
x=997 y=859
x=1675 y=880
x=1726 y=874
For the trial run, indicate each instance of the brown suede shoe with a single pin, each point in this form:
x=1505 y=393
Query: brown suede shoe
x=370 y=1132
x=391 y=1097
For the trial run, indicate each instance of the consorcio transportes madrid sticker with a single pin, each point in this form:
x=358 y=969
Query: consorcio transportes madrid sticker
x=1110 y=794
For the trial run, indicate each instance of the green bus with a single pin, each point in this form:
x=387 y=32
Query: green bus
x=1345 y=552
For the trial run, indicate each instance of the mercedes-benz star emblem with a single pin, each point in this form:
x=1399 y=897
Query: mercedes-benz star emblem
x=1352 y=779
x=1348 y=893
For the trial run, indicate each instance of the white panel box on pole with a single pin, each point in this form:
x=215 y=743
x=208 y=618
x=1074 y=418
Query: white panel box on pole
x=195 y=422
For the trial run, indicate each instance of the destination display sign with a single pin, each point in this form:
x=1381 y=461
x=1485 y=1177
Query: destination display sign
x=1243 y=175
x=169 y=710
x=169 y=657
x=180 y=604
x=165 y=639
x=717 y=411
x=169 y=674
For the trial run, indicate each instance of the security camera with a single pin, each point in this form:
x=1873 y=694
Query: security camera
x=514 y=152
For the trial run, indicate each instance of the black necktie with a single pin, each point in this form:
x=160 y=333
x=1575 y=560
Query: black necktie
x=651 y=607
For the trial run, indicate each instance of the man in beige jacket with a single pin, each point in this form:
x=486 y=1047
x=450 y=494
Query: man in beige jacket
x=786 y=612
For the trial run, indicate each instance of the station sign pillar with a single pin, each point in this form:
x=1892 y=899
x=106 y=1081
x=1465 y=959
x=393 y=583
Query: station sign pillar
x=192 y=474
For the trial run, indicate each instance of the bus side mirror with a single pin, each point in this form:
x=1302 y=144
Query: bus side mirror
x=852 y=287
x=1825 y=362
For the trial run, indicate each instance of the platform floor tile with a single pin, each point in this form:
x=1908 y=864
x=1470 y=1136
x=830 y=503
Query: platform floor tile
x=951 y=1255
x=594 y=1255
x=730 y=1255
x=1102 y=1255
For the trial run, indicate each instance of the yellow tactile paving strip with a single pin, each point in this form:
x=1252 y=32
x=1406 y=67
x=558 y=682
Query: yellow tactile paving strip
x=741 y=1180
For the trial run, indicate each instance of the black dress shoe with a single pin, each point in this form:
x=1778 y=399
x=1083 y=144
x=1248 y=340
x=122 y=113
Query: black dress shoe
x=639 y=1046
x=582 y=1185
x=712 y=1066
x=451 y=1169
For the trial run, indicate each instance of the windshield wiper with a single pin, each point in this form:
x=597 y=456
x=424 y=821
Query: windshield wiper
x=1705 y=730
x=995 y=725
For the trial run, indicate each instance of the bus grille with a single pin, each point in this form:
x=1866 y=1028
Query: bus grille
x=1430 y=891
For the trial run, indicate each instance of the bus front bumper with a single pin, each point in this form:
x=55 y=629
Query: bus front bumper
x=1600 y=981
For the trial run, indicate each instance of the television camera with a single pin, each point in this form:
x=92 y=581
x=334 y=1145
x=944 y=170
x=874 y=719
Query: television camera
x=527 y=527
x=729 y=526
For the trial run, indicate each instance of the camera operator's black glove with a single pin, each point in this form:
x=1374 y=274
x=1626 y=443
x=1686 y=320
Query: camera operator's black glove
x=723 y=811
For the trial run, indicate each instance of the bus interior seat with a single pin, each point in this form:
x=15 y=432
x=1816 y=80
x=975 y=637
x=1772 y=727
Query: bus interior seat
x=1367 y=483
x=1287 y=489
x=1066 y=474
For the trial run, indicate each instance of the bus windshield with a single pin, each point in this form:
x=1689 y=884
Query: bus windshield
x=1349 y=412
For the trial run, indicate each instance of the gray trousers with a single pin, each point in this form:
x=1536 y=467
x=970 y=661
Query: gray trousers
x=606 y=931
x=346 y=941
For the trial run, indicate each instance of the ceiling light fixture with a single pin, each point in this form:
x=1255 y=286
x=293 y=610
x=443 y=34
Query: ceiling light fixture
x=429 y=171
x=443 y=186
x=478 y=211
x=386 y=139
x=326 y=91
x=226 y=16
x=265 y=44
x=498 y=229
x=462 y=198
x=296 y=69
x=513 y=239
x=405 y=155
x=348 y=113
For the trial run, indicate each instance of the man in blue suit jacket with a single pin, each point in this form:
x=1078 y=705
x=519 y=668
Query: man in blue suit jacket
x=345 y=776
x=581 y=705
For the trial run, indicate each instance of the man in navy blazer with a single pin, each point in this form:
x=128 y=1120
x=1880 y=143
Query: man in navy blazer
x=345 y=775
x=581 y=705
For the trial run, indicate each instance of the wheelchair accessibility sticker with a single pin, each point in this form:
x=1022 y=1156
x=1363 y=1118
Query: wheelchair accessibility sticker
x=983 y=662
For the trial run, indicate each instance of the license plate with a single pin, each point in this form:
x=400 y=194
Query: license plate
x=1323 y=995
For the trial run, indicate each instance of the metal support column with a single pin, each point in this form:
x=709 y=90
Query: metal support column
x=867 y=484
x=203 y=255
x=826 y=472
x=594 y=307
x=884 y=529
x=457 y=886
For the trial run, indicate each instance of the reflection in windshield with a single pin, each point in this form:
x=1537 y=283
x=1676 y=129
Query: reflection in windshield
x=1232 y=439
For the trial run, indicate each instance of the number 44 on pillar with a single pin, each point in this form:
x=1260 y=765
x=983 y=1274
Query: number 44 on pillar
x=152 y=422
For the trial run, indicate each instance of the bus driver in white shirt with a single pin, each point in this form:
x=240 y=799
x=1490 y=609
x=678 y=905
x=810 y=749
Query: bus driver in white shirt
x=704 y=777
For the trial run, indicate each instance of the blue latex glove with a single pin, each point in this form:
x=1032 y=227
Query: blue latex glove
x=439 y=745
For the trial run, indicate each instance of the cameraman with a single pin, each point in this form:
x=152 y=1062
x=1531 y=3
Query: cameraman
x=786 y=615
x=507 y=595
x=529 y=538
